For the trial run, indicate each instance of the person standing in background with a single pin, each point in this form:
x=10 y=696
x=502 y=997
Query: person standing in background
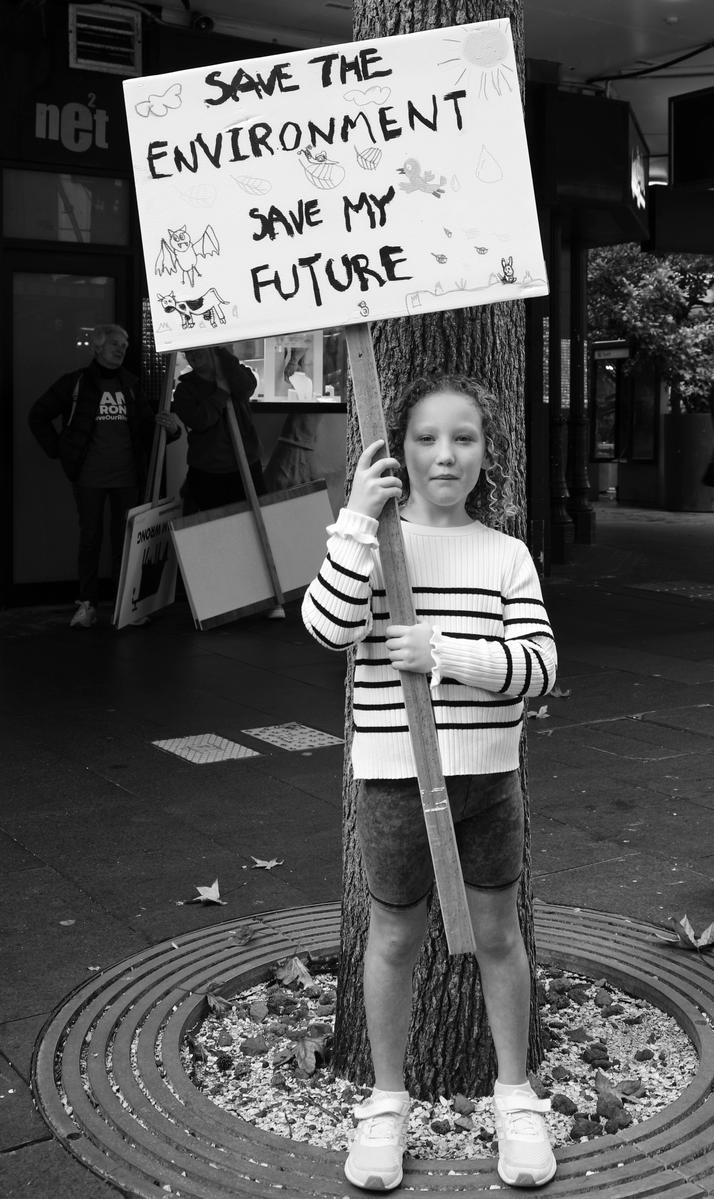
x=201 y=398
x=213 y=480
x=103 y=445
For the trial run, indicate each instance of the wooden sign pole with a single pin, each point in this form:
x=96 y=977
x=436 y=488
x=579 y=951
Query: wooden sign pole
x=422 y=731
x=252 y=497
x=158 y=446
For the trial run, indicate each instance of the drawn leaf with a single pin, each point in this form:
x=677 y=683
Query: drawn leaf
x=264 y=864
x=369 y=158
x=251 y=185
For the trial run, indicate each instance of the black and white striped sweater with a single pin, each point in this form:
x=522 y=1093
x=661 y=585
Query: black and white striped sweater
x=492 y=643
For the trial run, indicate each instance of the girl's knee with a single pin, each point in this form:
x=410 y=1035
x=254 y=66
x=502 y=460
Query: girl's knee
x=397 y=933
x=498 y=941
x=495 y=920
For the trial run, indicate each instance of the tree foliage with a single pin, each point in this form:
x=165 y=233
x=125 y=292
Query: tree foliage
x=658 y=305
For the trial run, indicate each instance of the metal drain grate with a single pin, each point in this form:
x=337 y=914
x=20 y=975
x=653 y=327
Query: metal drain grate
x=205 y=748
x=108 y=1079
x=293 y=736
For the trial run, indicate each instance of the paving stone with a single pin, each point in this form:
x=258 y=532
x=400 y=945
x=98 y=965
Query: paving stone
x=20 y=1123
x=638 y=885
x=17 y=1038
x=46 y=1171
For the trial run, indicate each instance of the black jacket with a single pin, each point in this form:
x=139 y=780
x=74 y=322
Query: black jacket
x=75 y=399
x=201 y=405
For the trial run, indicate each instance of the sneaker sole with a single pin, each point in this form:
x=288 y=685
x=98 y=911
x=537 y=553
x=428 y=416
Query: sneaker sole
x=371 y=1182
x=524 y=1179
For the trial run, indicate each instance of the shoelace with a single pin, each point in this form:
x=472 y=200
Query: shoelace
x=522 y=1123
x=379 y=1128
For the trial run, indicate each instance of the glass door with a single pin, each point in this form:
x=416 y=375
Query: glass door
x=55 y=300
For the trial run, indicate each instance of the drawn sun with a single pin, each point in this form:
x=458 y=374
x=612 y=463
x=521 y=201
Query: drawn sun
x=483 y=53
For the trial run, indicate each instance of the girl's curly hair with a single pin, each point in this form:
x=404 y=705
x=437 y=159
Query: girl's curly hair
x=492 y=499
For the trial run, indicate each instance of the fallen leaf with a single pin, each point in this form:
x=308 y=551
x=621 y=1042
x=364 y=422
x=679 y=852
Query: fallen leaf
x=684 y=936
x=208 y=895
x=559 y=692
x=293 y=970
x=197 y=1049
x=541 y=714
x=217 y=1003
x=245 y=934
x=309 y=1051
x=263 y=864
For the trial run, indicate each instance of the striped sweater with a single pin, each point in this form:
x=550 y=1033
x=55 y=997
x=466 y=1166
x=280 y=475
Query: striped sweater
x=492 y=643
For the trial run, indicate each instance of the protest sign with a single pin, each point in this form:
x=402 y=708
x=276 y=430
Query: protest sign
x=147 y=578
x=334 y=186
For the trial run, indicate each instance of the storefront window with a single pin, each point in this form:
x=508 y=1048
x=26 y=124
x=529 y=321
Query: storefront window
x=47 y=206
x=604 y=415
x=298 y=368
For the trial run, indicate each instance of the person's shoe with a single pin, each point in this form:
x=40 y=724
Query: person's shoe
x=375 y=1158
x=85 y=616
x=525 y=1155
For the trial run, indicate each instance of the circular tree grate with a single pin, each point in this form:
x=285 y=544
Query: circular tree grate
x=108 y=1079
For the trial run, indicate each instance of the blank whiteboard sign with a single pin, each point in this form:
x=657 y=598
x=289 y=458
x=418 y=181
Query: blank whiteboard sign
x=221 y=556
x=333 y=186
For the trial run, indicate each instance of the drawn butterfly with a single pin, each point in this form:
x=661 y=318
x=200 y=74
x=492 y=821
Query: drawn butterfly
x=158 y=106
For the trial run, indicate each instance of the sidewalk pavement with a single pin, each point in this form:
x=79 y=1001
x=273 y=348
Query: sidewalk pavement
x=104 y=836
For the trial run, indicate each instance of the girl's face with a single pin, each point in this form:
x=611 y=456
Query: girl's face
x=444 y=450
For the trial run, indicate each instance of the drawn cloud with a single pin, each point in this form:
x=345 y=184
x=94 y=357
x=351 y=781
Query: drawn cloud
x=158 y=106
x=372 y=95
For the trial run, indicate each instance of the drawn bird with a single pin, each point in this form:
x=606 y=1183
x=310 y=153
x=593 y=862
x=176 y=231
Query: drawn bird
x=438 y=257
x=420 y=181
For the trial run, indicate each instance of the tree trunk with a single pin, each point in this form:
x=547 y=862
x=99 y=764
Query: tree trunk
x=450 y=1047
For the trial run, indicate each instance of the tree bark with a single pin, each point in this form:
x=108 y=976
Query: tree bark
x=450 y=1047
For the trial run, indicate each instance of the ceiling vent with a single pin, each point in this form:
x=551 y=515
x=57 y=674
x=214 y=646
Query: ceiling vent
x=105 y=37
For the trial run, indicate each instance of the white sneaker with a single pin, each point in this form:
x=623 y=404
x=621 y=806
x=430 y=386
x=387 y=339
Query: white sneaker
x=379 y=1141
x=85 y=616
x=525 y=1155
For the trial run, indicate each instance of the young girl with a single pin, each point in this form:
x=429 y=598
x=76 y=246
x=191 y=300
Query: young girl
x=484 y=638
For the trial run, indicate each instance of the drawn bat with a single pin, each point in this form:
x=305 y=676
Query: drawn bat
x=180 y=253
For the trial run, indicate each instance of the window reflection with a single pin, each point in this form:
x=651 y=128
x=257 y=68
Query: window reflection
x=50 y=206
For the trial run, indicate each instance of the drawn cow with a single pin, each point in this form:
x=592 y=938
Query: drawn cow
x=208 y=306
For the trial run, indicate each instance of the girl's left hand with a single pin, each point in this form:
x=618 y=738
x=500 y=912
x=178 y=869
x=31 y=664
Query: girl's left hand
x=408 y=646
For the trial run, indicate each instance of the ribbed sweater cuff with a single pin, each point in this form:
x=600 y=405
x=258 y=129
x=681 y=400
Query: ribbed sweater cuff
x=452 y=659
x=355 y=526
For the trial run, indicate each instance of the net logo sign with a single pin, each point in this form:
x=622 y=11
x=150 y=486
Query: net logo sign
x=77 y=127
